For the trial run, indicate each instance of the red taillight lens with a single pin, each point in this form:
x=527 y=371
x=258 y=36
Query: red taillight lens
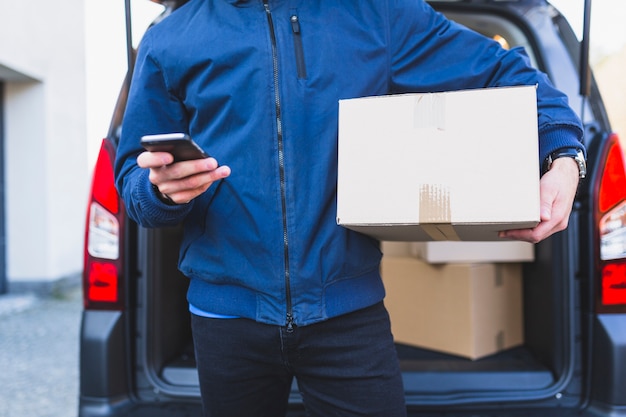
x=103 y=186
x=611 y=229
x=103 y=282
x=102 y=273
x=614 y=284
x=613 y=181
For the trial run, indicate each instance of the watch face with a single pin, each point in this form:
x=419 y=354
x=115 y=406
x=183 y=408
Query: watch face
x=582 y=165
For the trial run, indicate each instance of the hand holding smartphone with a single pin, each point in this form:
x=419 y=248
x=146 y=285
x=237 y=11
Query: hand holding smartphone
x=180 y=145
x=182 y=148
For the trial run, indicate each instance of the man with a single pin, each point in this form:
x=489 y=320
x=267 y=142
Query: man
x=277 y=289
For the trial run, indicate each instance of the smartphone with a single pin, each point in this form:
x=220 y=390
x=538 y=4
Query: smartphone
x=180 y=145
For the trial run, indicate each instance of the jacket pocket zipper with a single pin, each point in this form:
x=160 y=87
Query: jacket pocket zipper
x=298 y=48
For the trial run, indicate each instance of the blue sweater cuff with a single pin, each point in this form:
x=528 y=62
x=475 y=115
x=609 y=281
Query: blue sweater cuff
x=154 y=212
x=559 y=136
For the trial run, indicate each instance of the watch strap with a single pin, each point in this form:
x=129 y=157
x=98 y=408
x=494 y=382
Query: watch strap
x=574 y=153
x=164 y=198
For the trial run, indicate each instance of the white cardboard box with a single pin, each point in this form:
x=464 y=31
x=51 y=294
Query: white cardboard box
x=443 y=166
x=469 y=310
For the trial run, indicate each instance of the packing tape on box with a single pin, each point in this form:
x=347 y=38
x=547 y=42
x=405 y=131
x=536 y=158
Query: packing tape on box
x=435 y=215
x=429 y=111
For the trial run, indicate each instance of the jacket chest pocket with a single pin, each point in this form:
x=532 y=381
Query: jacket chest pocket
x=297 y=45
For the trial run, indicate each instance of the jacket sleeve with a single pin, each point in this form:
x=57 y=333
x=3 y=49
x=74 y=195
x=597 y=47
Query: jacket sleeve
x=151 y=108
x=436 y=54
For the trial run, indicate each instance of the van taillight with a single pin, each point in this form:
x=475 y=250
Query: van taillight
x=611 y=229
x=102 y=274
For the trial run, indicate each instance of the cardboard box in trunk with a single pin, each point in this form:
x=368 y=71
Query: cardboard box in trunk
x=462 y=252
x=469 y=310
x=443 y=166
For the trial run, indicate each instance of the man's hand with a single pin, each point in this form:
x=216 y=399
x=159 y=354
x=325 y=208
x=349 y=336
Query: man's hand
x=183 y=181
x=557 y=191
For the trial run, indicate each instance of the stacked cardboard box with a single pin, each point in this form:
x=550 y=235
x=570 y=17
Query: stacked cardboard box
x=471 y=310
x=462 y=252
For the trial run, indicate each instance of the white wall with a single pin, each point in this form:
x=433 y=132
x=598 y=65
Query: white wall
x=42 y=54
x=62 y=64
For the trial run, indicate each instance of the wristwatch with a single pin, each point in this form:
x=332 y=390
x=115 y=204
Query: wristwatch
x=164 y=198
x=574 y=153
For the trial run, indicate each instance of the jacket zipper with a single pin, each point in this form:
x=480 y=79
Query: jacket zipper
x=281 y=166
x=297 y=44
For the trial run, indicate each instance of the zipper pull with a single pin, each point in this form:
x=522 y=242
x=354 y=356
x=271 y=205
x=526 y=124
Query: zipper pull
x=295 y=24
x=290 y=323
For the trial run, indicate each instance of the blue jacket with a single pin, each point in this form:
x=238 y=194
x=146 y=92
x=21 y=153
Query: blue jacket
x=257 y=86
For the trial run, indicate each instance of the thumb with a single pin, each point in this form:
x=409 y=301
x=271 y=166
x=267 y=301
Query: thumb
x=548 y=194
x=545 y=211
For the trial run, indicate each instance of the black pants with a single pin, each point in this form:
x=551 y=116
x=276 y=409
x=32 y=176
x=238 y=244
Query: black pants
x=345 y=366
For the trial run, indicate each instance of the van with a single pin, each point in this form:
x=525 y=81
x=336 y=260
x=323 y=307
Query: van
x=136 y=346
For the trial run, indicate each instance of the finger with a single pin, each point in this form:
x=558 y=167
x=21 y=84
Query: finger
x=548 y=195
x=544 y=229
x=193 y=182
x=184 y=169
x=185 y=189
x=184 y=197
x=526 y=235
x=154 y=159
x=181 y=170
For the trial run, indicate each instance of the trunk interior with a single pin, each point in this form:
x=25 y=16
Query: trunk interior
x=539 y=367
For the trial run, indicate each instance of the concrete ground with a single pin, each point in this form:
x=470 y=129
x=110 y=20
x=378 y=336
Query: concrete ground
x=39 y=354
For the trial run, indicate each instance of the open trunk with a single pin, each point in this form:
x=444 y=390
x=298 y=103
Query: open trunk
x=538 y=370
